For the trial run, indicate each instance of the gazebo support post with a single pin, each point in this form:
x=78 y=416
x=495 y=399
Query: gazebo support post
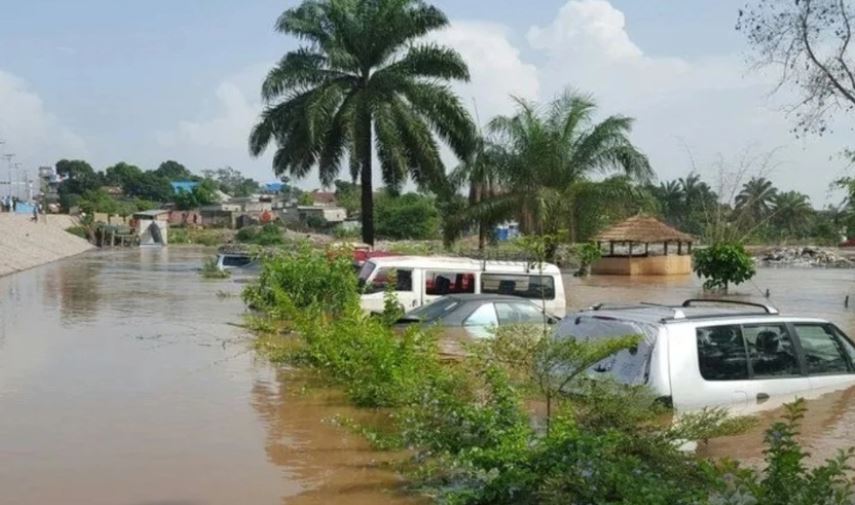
x=611 y=248
x=690 y=248
x=646 y=249
x=666 y=248
x=630 y=249
x=679 y=248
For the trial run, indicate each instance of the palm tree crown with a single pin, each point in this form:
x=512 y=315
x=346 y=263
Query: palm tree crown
x=364 y=81
x=756 y=198
x=545 y=150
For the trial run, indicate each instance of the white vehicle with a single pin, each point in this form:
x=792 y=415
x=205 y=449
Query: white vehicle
x=746 y=357
x=421 y=279
x=228 y=260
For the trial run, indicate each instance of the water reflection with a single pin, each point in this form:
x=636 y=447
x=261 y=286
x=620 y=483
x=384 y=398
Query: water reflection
x=331 y=464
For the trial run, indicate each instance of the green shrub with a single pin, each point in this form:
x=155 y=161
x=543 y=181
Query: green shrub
x=722 y=264
x=79 y=231
x=210 y=270
x=267 y=235
x=410 y=216
x=197 y=236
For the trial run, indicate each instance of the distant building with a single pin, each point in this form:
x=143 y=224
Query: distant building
x=274 y=187
x=323 y=198
x=182 y=186
x=331 y=215
x=49 y=187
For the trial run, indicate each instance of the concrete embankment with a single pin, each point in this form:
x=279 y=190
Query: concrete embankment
x=25 y=244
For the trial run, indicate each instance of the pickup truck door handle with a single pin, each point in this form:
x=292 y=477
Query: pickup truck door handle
x=762 y=397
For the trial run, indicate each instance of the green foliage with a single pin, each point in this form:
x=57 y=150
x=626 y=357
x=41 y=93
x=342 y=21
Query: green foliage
x=599 y=204
x=588 y=254
x=210 y=270
x=203 y=194
x=786 y=479
x=266 y=235
x=232 y=182
x=348 y=196
x=304 y=278
x=409 y=216
x=79 y=231
x=174 y=171
x=722 y=264
x=543 y=152
x=78 y=178
x=346 y=233
x=197 y=236
x=336 y=99
x=305 y=199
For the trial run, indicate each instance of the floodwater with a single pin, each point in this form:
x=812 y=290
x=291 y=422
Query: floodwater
x=124 y=379
x=829 y=424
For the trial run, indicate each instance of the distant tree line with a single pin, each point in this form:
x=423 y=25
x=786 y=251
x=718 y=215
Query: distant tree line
x=90 y=190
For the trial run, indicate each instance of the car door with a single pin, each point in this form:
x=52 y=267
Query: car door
x=777 y=373
x=828 y=355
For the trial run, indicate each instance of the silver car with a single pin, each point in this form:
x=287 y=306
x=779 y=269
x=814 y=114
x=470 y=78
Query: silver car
x=720 y=353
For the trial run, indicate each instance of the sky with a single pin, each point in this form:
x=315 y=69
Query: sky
x=144 y=82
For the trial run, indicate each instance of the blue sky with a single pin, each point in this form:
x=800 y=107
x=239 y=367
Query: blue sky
x=147 y=81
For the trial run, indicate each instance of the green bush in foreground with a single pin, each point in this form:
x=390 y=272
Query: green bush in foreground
x=471 y=433
x=722 y=264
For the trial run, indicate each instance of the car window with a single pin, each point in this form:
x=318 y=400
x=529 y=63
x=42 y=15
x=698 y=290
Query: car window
x=629 y=366
x=433 y=311
x=771 y=351
x=485 y=315
x=526 y=286
x=825 y=351
x=236 y=261
x=721 y=353
x=516 y=312
x=446 y=283
x=403 y=280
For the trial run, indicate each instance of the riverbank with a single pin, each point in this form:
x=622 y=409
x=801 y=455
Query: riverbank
x=25 y=244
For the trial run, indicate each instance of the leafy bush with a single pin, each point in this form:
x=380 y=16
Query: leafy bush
x=197 y=236
x=210 y=270
x=722 y=264
x=79 y=231
x=410 y=216
x=304 y=279
x=266 y=235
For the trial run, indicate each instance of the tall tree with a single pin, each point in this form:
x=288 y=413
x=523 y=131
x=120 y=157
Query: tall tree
x=174 y=171
x=546 y=150
x=792 y=213
x=480 y=171
x=810 y=42
x=364 y=79
x=755 y=199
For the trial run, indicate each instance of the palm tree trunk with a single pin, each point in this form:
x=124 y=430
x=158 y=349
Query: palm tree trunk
x=365 y=181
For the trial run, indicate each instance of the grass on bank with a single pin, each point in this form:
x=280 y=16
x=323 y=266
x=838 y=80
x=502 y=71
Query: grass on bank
x=468 y=424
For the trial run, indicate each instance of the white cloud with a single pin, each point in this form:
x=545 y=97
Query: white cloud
x=709 y=105
x=29 y=130
x=495 y=66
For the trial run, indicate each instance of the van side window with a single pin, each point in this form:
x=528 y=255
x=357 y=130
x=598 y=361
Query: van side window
x=527 y=286
x=825 y=351
x=721 y=353
x=403 y=280
x=446 y=283
x=770 y=348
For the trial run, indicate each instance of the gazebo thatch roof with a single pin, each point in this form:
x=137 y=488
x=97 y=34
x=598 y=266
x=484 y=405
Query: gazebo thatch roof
x=643 y=229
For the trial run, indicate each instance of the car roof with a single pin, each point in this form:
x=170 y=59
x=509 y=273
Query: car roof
x=441 y=263
x=701 y=310
x=484 y=297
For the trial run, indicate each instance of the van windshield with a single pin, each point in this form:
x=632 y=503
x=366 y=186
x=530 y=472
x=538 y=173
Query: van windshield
x=630 y=366
x=364 y=273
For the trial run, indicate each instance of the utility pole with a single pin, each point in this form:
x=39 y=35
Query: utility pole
x=9 y=157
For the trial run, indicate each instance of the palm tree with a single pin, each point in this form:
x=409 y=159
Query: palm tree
x=364 y=80
x=544 y=151
x=480 y=171
x=792 y=213
x=755 y=199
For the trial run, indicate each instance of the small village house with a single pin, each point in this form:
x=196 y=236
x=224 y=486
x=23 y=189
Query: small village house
x=152 y=227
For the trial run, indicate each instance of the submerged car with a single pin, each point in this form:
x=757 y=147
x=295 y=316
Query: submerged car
x=706 y=353
x=470 y=317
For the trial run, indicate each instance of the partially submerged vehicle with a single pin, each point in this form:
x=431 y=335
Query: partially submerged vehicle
x=705 y=353
x=472 y=317
x=231 y=257
x=419 y=280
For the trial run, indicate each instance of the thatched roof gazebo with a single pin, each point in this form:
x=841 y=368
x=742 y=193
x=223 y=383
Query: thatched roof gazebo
x=634 y=236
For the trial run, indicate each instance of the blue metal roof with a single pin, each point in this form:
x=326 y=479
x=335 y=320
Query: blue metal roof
x=182 y=186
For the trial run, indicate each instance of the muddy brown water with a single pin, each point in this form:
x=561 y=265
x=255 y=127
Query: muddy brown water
x=125 y=380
